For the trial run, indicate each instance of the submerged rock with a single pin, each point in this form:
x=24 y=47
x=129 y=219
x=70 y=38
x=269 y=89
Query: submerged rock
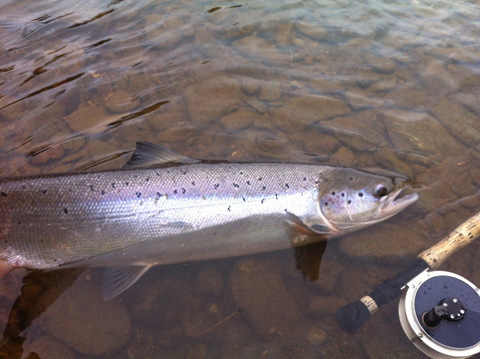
x=389 y=243
x=212 y=99
x=82 y=320
x=300 y=113
x=259 y=290
x=48 y=347
x=407 y=131
x=461 y=123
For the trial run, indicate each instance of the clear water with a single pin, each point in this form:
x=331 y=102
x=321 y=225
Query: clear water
x=386 y=84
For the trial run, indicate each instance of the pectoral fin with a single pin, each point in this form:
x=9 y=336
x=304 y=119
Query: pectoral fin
x=309 y=242
x=308 y=259
x=309 y=230
x=117 y=279
x=149 y=155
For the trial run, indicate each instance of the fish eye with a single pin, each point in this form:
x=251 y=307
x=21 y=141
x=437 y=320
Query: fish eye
x=380 y=190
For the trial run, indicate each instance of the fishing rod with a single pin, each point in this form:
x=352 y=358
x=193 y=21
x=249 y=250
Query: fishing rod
x=421 y=325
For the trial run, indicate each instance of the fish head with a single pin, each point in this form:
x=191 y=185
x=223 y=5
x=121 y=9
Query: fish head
x=350 y=199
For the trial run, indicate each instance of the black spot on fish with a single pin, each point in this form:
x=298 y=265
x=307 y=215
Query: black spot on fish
x=4 y=194
x=193 y=183
x=241 y=172
x=215 y=186
x=175 y=192
x=135 y=176
x=264 y=188
x=349 y=201
x=263 y=200
x=236 y=185
x=24 y=187
x=350 y=178
x=139 y=194
x=113 y=184
x=65 y=210
x=244 y=200
x=228 y=209
x=184 y=190
x=91 y=187
x=276 y=196
x=333 y=193
x=317 y=182
x=343 y=194
x=360 y=194
x=326 y=204
x=103 y=192
x=147 y=179
x=304 y=179
x=159 y=194
x=157 y=173
x=44 y=191
x=248 y=182
x=54 y=259
x=214 y=233
x=19 y=223
x=185 y=172
x=287 y=185
x=127 y=183
x=260 y=178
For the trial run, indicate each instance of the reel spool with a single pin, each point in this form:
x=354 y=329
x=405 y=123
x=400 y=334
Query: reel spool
x=440 y=313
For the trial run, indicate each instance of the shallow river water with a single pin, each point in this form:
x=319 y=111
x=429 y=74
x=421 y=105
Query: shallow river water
x=386 y=84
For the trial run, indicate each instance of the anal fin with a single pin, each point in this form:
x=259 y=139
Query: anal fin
x=118 y=279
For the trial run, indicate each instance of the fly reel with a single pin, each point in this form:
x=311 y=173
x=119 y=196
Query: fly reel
x=440 y=313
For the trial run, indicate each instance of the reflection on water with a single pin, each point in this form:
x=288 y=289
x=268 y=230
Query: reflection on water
x=362 y=84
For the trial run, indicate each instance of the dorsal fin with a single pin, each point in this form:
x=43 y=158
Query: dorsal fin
x=149 y=154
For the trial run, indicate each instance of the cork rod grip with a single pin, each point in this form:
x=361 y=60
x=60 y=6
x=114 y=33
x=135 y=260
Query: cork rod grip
x=463 y=235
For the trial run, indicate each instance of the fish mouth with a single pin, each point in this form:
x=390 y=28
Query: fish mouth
x=398 y=200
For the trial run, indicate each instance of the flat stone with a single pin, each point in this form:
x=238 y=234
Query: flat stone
x=300 y=113
x=82 y=320
x=390 y=243
x=462 y=123
x=283 y=34
x=407 y=132
x=317 y=336
x=406 y=98
x=253 y=281
x=257 y=48
x=48 y=347
x=359 y=131
x=311 y=30
x=121 y=101
x=87 y=117
x=212 y=99
x=380 y=64
x=330 y=271
x=209 y=281
x=239 y=119
x=475 y=174
x=250 y=85
x=463 y=185
x=344 y=157
x=271 y=91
